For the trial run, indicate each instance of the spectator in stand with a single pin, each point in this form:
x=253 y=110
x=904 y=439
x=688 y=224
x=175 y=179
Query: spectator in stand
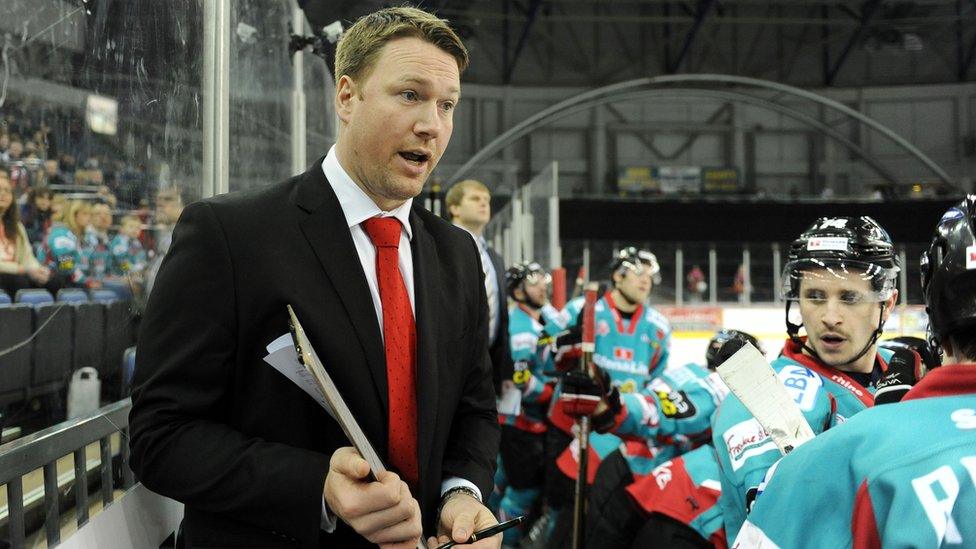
x=695 y=281
x=36 y=214
x=97 y=242
x=169 y=207
x=19 y=268
x=4 y=145
x=64 y=247
x=128 y=255
x=52 y=173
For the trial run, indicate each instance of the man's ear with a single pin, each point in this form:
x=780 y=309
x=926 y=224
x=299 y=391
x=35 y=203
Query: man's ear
x=346 y=93
x=452 y=209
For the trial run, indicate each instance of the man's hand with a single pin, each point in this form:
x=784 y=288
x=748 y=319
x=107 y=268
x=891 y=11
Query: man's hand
x=383 y=512
x=461 y=516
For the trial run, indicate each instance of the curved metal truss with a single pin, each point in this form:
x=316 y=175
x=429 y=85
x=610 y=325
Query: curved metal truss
x=665 y=86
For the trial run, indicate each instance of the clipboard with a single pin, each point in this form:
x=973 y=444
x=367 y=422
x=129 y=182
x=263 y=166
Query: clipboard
x=340 y=411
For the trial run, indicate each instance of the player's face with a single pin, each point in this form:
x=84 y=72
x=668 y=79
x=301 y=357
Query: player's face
x=839 y=315
x=474 y=209
x=635 y=286
x=397 y=120
x=537 y=293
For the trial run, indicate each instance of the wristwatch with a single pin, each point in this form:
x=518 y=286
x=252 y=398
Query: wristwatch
x=452 y=492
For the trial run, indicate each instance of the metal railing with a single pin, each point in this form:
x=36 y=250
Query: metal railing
x=41 y=450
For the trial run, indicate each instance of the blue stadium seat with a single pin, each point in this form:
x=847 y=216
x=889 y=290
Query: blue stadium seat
x=5 y=299
x=33 y=297
x=102 y=295
x=72 y=295
x=15 y=366
x=53 y=327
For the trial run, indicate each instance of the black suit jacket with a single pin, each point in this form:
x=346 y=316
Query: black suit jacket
x=499 y=351
x=215 y=427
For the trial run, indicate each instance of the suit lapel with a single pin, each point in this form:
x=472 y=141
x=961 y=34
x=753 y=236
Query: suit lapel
x=427 y=284
x=328 y=234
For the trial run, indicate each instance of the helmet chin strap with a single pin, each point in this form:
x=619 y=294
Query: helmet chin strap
x=793 y=331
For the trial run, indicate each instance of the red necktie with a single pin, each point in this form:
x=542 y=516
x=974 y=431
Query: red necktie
x=400 y=340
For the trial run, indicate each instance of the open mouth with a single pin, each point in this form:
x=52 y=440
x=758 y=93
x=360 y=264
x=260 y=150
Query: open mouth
x=417 y=158
x=832 y=340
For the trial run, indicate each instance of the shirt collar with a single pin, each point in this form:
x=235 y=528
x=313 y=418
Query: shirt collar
x=479 y=239
x=356 y=205
x=950 y=380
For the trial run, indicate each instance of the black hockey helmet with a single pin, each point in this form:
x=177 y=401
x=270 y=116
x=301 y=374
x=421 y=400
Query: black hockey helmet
x=842 y=248
x=720 y=337
x=636 y=260
x=930 y=358
x=949 y=272
x=526 y=271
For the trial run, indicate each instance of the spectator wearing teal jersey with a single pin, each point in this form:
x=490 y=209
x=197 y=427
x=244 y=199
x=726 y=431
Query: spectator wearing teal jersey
x=128 y=255
x=63 y=251
x=904 y=474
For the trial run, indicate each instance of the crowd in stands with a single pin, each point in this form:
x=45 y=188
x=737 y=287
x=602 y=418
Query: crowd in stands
x=64 y=226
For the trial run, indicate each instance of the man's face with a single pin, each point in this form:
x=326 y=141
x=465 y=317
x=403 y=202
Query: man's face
x=474 y=209
x=537 y=293
x=398 y=119
x=839 y=315
x=635 y=287
x=16 y=149
x=101 y=217
x=51 y=167
x=168 y=208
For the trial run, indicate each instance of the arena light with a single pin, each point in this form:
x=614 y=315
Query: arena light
x=102 y=114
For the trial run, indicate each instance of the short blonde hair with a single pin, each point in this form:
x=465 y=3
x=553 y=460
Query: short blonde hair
x=360 y=45
x=129 y=219
x=456 y=193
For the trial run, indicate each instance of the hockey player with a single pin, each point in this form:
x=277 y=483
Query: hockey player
x=632 y=342
x=677 y=496
x=900 y=475
x=841 y=276
x=525 y=397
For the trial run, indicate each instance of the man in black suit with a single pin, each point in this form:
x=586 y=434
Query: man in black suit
x=254 y=459
x=469 y=203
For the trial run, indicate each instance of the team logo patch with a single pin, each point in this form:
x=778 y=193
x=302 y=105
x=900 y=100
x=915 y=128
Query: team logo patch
x=802 y=384
x=623 y=353
x=970 y=257
x=602 y=328
x=827 y=243
x=746 y=439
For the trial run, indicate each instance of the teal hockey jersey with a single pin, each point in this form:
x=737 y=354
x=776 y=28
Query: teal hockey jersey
x=533 y=388
x=898 y=475
x=825 y=395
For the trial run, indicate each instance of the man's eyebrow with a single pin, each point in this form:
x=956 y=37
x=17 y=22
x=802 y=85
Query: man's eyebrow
x=425 y=82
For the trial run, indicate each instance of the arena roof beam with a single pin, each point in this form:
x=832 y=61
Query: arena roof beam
x=613 y=91
x=531 y=14
x=700 y=14
x=867 y=12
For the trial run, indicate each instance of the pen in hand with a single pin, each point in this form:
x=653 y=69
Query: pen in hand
x=486 y=533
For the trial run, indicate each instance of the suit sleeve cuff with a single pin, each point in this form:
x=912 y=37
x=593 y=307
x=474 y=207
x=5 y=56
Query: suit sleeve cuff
x=454 y=482
x=328 y=523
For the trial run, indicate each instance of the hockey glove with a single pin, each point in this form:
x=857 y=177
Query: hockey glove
x=581 y=393
x=569 y=349
x=904 y=370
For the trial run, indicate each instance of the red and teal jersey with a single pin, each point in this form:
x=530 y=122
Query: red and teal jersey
x=128 y=255
x=826 y=397
x=631 y=350
x=686 y=489
x=64 y=254
x=898 y=475
x=533 y=387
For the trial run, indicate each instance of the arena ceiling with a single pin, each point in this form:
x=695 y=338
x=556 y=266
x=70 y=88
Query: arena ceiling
x=800 y=42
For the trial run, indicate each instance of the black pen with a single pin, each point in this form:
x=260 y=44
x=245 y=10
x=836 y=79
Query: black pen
x=487 y=532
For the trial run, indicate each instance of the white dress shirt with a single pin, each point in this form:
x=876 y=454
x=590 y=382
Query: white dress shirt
x=358 y=207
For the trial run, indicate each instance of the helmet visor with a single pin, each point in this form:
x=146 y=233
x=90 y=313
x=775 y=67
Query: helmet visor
x=854 y=281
